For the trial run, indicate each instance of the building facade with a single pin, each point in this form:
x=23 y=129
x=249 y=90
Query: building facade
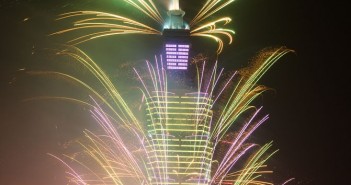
x=180 y=151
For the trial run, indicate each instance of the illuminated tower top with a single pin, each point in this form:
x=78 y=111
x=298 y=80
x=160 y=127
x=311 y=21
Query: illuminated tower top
x=176 y=17
x=174 y=5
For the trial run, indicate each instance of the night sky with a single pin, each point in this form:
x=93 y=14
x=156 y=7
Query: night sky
x=308 y=107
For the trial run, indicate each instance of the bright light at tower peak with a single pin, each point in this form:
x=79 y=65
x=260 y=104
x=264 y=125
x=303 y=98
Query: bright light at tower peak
x=174 y=5
x=175 y=17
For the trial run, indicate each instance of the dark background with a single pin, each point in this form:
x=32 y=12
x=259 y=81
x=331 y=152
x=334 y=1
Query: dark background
x=308 y=107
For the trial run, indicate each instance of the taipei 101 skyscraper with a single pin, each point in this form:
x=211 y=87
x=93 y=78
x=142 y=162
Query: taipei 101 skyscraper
x=178 y=119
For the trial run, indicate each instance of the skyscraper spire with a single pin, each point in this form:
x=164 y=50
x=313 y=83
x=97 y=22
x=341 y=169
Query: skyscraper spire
x=174 y=5
x=176 y=16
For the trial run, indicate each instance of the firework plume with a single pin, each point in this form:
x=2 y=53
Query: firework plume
x=183 y=138
x=179 y=131
x=102 y=24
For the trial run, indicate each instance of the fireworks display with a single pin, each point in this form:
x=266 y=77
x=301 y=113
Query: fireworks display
x=184 y=136
x=194 y=112
x=112 y=24
x=177 y=141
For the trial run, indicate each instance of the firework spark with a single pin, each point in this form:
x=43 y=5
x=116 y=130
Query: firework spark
x=103 y=24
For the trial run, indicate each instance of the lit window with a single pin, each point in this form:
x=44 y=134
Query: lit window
x=180 y=49
x=171 y=49
x=183 y=46
x=171 y=56
x=171 y=45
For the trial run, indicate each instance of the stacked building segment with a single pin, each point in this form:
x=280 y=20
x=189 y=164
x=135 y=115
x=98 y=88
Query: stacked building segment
x=179 y=129
x=176 y=33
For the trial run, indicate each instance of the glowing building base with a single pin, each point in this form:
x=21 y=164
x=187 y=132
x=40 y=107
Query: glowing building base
x=179 y=129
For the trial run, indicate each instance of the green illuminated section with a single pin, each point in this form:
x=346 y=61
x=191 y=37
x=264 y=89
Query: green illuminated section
x=180 y=151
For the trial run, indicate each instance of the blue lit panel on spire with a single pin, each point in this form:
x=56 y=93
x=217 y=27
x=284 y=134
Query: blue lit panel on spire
x=177 y=56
